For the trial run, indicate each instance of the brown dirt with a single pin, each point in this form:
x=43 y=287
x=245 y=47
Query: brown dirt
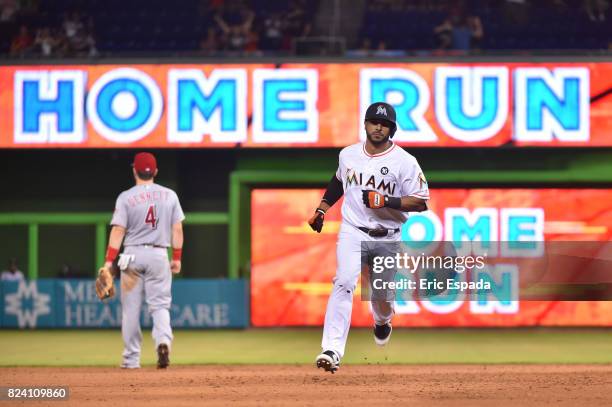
x=439 y=385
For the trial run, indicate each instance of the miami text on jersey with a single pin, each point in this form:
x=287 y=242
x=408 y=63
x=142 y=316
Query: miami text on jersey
x=355 y=178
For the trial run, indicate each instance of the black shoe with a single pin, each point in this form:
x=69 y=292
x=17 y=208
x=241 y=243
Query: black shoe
x=329 y=361
x=382 y=334
x=163 y=359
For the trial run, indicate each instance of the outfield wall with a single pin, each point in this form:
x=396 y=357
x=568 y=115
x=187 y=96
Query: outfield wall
x=217 y=174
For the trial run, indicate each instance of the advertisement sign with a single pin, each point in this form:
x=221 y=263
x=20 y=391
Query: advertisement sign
x=56 y=303
x=303 y=105
x=293 y=267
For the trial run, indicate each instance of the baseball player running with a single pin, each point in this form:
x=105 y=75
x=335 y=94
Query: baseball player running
x=147 y=219
x=381 y=183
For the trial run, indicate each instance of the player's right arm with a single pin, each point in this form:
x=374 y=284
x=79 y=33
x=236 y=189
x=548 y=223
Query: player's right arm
x=104 y=282
x=333 y=192
x=117 y=233
x=114 y=243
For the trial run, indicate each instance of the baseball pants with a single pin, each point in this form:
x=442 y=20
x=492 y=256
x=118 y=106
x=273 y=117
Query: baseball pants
x=148 y=276
x=349 y=263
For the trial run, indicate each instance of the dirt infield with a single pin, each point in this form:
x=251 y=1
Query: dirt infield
x=437 y=385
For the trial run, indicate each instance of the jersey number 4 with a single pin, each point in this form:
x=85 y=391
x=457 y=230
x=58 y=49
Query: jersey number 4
x=151 y=217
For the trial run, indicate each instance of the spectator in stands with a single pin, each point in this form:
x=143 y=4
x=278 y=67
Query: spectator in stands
x=459 y=31
x=72 y=24
x=82 y=43
x=236 y=38
x=596 y=9
x=8 y=10
x=22 y=44
x=12 y=273
x=45 y=42
x=272 y=32
x=235 y=22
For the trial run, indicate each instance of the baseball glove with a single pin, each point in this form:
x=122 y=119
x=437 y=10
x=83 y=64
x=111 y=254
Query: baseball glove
x=104 y=283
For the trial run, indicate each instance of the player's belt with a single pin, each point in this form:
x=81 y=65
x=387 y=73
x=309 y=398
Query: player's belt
x=381 y=232
x=151 y=245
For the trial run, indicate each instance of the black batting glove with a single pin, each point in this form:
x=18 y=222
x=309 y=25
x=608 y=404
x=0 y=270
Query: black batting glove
x=316 y=221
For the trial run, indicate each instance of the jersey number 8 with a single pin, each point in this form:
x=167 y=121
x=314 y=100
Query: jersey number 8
x=151 y=217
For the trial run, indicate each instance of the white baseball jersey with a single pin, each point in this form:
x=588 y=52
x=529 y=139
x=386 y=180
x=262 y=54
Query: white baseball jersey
x=393 y=172
x=147 y=211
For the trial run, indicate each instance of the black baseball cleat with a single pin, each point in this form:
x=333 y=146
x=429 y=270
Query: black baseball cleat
x=329 y=361
x=382 y=334
x=163 y=356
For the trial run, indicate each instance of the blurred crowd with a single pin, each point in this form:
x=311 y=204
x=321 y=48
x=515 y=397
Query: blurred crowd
x=32 y=36
x=66 y=270
x=80 y=28
x=207 y=27
x=235 y=26
x=473 y=25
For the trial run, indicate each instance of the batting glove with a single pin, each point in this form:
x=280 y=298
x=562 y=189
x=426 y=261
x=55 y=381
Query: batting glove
x=376 y=200
x=316 y=221
x=373 y=199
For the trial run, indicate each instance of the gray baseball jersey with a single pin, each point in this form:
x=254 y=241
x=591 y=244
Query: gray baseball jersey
x=147 y=212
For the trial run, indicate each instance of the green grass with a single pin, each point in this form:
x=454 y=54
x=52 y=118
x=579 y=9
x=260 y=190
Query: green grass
x=298 y=346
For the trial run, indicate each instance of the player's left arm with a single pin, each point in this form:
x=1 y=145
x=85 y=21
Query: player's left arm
x=177 y=247
x=177 y=236
x=412 y=204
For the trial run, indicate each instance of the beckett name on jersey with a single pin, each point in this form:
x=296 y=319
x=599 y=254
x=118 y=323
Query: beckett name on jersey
x=147 y=197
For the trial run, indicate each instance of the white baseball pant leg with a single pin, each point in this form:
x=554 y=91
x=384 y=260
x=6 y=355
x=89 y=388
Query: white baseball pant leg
x=340 y=304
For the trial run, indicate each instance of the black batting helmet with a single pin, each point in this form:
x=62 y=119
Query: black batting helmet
x=382 y=111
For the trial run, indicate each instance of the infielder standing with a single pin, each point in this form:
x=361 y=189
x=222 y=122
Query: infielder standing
x=149 y=217
x=381 y=183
